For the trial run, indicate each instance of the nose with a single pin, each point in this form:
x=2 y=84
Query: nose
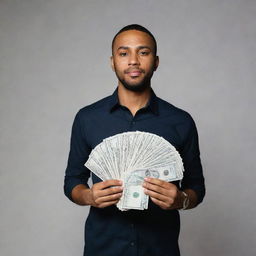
x=133 y=60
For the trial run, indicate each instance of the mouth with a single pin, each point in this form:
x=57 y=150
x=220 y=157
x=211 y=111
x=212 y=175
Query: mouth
x=134 y=72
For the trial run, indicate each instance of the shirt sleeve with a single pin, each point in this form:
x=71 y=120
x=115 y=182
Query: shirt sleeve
x=193 y=174
x=76 y=172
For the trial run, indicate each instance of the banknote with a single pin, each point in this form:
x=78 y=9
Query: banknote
x=133 y=195
x=132 y=156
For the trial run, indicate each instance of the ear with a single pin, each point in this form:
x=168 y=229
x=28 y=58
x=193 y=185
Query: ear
x=112 y=63
x=156 y=63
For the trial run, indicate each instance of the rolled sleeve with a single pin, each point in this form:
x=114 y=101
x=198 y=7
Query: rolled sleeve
x=193 y=174
x=76 y=173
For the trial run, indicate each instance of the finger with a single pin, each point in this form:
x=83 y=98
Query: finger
x=160 y=197
x=170 y=192
x=103 y=205
x=159 y=182
x=155 y=188
x=160 y=203
x=109 y=198
x=109 y=191
x=108 y=183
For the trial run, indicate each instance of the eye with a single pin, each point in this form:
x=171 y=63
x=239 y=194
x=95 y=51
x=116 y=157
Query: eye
x=122 y=54
x=144 y=53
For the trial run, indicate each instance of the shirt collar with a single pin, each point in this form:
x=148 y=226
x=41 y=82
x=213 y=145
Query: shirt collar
x=152 y=103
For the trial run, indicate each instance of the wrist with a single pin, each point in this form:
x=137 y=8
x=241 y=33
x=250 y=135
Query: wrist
x=181 y=201
x=178 y=202
x=88 y=197
x=185 y=200
x=81 y=195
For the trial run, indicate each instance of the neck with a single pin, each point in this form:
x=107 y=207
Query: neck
x=133 y=100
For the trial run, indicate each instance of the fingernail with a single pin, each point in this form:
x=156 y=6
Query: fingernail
x=146 y=179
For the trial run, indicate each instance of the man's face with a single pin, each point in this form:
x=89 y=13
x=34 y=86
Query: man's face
x=134 y=60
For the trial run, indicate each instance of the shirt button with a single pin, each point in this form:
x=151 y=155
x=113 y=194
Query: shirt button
x=133 y=122
x=132 y=243
x=132 y=225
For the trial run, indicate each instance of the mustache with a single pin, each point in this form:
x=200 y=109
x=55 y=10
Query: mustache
x=128 y=70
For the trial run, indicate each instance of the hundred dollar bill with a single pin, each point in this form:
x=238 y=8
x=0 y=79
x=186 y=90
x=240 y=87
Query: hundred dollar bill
x=133 y=195
x=166 y=173
x=132 y=156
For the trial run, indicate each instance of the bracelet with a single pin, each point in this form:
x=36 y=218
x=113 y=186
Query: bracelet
x=185 y=201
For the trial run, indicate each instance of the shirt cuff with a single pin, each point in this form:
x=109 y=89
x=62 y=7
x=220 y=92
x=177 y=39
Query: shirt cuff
x=70 y=183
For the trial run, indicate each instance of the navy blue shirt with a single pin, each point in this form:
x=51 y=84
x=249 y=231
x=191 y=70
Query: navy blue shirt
x=152 y=232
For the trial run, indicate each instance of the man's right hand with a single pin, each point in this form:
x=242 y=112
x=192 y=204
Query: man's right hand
x=105 y=193
x=100 y=195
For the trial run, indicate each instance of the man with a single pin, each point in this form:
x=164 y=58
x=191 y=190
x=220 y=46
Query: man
x=133 y=106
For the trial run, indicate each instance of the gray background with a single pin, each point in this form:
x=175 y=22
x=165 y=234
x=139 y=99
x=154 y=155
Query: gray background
x=54 y=59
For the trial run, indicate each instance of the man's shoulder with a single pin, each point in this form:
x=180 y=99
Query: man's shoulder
x=98 y=106
x=168 y=109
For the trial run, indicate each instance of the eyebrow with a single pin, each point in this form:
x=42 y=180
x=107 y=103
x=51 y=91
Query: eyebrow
x=139 y=47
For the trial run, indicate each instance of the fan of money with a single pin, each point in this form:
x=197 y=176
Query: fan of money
x=132 y=156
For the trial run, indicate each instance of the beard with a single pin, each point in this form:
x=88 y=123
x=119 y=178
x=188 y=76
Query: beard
x=138 y=87
x=141 y=86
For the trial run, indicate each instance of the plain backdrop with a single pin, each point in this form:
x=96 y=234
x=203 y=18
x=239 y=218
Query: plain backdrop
x=54 y=59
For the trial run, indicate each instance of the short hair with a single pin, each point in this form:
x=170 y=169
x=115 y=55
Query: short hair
x=135 y=27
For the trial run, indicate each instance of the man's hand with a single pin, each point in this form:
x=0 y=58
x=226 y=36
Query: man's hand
x=105 y=193
x=100 y=195
x=164 y=194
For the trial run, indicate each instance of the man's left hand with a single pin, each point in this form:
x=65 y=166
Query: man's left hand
x=164 y=194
